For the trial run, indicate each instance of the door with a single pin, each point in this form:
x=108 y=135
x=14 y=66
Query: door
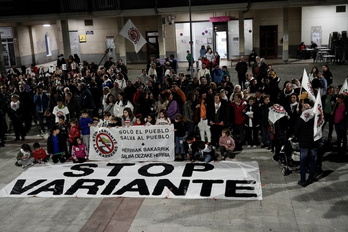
x=74 y=43
x=269 y=41
x=220 y=39
x=152 y=45
x=8 y=52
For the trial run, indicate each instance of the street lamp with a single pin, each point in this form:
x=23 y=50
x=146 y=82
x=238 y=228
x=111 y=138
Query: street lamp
x=191 y=42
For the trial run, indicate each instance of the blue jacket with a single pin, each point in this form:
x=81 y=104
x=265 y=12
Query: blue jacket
x=84 y=125
x=41 y=104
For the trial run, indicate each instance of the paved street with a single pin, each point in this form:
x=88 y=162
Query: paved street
x=286 y=206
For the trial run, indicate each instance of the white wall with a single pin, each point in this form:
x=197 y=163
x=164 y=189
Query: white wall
x=327 y=18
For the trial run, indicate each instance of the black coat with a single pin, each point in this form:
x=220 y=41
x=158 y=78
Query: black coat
x=223 y=113
x=305 y=133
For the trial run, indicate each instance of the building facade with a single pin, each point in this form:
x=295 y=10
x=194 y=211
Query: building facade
x=37 y=31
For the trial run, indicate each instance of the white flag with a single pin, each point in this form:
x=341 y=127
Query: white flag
x=130 y=32
x=318 y=117
x=344 y=88
x=307 y=85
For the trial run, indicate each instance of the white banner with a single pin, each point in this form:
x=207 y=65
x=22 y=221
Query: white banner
x=131 y=32
x=219 y=180
x=344 y=88
x=132 y=144
x=307 y=85
x=319 y=117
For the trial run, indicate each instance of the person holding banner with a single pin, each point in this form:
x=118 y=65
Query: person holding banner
x=308 y=147
x=340 y=120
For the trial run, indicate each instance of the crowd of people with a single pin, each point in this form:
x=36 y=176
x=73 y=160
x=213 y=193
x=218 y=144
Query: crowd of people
x=207 y=110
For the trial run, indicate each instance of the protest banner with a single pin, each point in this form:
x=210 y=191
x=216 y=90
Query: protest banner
x=132 y=144
x=223 y=180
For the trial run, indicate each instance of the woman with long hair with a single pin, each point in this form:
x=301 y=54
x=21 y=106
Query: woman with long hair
x=121 y=103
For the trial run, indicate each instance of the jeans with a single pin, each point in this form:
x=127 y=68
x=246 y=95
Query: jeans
x=265 y=135
x=308 y=155
x=85 y=140
x=341 y=132
x=225 y=152
x=207 y=157
x=179 y=145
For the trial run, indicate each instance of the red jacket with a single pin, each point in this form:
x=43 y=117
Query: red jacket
x=74 y=133
x=39 y=154
x=238 y=116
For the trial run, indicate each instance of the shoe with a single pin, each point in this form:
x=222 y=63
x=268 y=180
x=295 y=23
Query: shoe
x=16 y=139
x=248 y=146
x=276 y=159
x=303 y=184
x=263 y=146
x=254 y=146
x=17 y=164
x=312 y=180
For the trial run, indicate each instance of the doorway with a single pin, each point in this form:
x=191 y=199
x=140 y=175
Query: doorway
x=220 y=39
x=269 y=41
x=152 y=45
x=74 y=42
x=8 y=52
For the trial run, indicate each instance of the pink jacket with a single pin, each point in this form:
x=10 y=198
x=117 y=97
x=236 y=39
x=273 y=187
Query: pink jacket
x=79 y=151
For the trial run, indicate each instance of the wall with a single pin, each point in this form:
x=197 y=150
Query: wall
x=275 y=17
x=34 y=51
x=327 y=18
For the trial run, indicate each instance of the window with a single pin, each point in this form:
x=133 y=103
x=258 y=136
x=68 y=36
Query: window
x=340 y=9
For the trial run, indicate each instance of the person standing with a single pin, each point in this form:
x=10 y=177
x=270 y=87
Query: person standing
x=16 y=113
x=327 y=74
x=41 y=102
x=242 y=69
x=217 y=115
x=190 y=60
x=308 y=148
x=340 y=120
x=329 y=102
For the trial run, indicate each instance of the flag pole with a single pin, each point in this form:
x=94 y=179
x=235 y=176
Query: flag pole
x=107 y=50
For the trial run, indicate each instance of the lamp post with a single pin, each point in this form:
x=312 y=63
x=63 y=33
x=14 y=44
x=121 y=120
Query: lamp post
x=191 y=42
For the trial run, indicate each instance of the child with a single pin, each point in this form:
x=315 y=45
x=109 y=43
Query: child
x=227 y=144
x=85 y=123
x=128 y=117
x=139 y=120
x=189 y=146
x=204 y=152
x=180 y=131
x=163 y=118
x=56 y=146
x=95 y=121
x=63 y=127
x=106 y=119
x=114 y=122
x=79 y=151
x=74 y=132
x=39 y=154
x=252 y=122
x=24 y=156
x=150 y=120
